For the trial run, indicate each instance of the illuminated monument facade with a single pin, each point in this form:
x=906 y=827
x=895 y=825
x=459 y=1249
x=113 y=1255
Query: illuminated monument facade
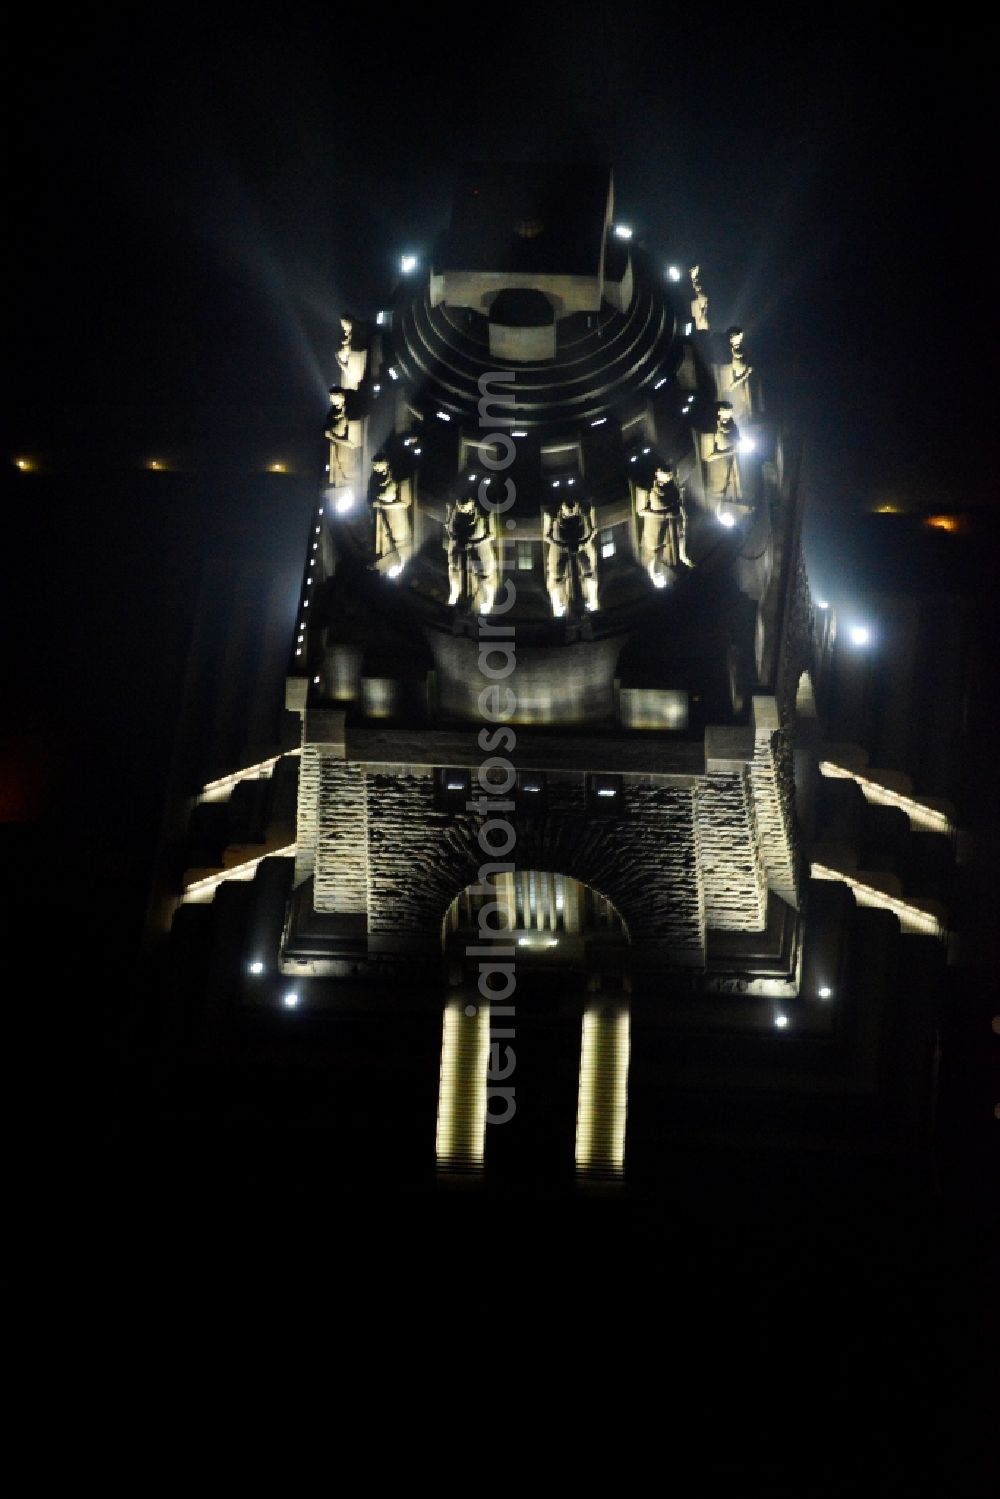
x=562 y=800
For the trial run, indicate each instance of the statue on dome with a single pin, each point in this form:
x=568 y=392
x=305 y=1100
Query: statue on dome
x=344 y=352
x=569 y=534
x=351 y=360
x=392 y=520
x=699 y=303
x=663 y=525
x=471 y=561
x=342 y=445
x=722 y=449
x=739 y=362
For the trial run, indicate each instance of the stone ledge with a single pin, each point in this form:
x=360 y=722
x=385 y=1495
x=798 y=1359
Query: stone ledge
x=431 y=747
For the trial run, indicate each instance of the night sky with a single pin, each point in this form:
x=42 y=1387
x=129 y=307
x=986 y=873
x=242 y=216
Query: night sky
x=197 y=205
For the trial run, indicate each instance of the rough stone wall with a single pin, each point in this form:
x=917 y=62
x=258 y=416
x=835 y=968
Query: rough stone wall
x=674 y=861
x=644 y=861
x=341 y=865
x=658 y=866
x=732 y=869
x=419 y=856
x=307 y=814
x=772 y=787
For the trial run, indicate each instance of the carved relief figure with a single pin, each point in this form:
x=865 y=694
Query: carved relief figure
x=471 y=562
x=342 y=448
x=392 y=520
x=699 y=303
x=569 y=533
x=662 y=525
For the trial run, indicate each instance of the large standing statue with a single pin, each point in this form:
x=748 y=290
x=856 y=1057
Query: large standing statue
x=569 y=533
x=351 y=360
x=344 y=352
x=662 y=519
x=392 y=521
x=471 y=562
x=740 y=370
x=723 y=450
x=699 y=303
x=739 y=360
x=342 y=448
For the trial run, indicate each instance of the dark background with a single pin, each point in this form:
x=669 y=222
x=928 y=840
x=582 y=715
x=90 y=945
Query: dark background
x=195 y=198
x=197 y=203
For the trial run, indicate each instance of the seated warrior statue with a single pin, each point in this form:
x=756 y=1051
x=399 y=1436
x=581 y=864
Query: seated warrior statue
x=661 y=512
x=471 y=563
x=725 y=444
x=338 y=431
x=569 y=532
x=392 y=524
x=741 y=366
x=699 y=304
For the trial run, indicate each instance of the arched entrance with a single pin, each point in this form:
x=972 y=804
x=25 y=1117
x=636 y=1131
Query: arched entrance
x=553 y=922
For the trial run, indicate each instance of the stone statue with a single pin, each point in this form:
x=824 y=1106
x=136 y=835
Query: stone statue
x=727 y=434
x=344 y=352
x=471 y=562
x=392 y=521
x=740 y=364
x=663 y=525
x=342 y=448
x=699 y=303
x=723 y=450
x=351 y=360
x=569 y=533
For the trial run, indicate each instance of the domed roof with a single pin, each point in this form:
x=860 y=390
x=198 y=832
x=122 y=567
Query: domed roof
x=603 y=360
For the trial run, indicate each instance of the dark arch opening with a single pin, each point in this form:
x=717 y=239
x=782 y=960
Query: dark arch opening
x=553 y=921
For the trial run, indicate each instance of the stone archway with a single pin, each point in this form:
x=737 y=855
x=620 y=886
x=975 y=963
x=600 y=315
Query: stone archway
x=552 y=920
x=421 y=855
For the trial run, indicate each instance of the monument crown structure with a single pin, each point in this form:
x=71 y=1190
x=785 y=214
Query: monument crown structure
x=556 y=669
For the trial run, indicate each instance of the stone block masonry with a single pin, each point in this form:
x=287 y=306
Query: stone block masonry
x=772 y=787
x=729 y=854
x=331 y=831
x=674 y=860
x=341 y=882
x=644 y=862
